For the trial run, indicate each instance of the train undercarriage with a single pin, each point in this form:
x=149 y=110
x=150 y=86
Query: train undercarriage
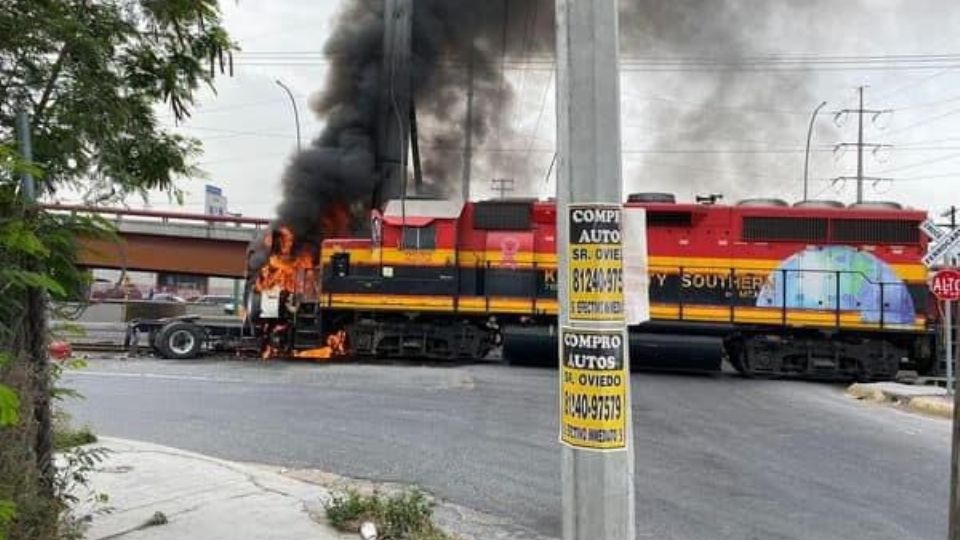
x=530 y=341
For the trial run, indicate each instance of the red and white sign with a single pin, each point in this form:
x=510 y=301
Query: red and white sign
x=946 y=284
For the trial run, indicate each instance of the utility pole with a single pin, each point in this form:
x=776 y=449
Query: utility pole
x=598 y=498
x=502 y=186
x=953 y=532
x=468 y=129
x=860 y=178
x=35 y=329
x=394 y=130
x=27 y=185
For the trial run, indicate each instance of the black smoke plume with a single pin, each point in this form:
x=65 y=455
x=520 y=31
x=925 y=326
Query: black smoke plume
x=339 y=167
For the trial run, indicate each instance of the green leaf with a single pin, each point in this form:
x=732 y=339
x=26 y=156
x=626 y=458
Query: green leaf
x=17 y=238
x=9 y=406
x=25 y=279
x=60 y=393
x=8 y=511
x=76 y=363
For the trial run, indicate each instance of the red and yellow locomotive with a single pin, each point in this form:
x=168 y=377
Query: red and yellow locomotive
x=814 y=289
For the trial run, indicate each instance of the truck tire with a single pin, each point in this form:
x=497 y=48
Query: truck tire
x=179 y=340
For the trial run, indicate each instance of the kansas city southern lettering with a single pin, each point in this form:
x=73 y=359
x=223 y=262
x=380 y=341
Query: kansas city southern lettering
x=595 y=281
x=593 y=395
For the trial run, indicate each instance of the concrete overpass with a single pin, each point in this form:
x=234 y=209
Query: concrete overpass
x=181 y=243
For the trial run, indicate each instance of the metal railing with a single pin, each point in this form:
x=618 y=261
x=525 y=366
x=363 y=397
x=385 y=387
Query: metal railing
x=163 y=217
x=878 y=308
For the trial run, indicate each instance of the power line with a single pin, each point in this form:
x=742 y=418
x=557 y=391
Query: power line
x=783 y=58
x=530 y=22
x=712 y=106
x=930 y=103
x=924 y=121
x=941 y=62
x=928 y=177
x=543 y=106
x=234 y=132
x=921 y=163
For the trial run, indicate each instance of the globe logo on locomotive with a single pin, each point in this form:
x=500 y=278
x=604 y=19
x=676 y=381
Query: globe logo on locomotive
x=809 y=280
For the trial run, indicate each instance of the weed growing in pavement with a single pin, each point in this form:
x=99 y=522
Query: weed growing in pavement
x=65 y=436
x=406 y=516
x=81 y=503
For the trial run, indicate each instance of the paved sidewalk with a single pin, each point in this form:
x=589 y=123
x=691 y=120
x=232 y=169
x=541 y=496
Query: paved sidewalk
x=205 y=498
x=202 y=497
x=931 y=400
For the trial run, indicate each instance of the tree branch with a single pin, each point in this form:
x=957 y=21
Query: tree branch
x=48 y=89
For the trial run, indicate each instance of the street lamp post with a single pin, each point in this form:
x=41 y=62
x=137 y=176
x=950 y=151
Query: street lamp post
x=296 y=113
x=806 y=159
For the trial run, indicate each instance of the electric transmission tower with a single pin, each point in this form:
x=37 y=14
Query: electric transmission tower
x=502 y=186
x=860 y=145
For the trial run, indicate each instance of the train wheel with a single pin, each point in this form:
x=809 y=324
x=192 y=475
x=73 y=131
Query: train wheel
x=737 y=355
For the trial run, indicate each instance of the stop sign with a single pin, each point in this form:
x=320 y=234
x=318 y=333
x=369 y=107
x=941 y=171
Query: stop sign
x=946 y=284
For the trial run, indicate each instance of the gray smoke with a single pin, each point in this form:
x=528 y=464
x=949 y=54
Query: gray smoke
x=339 y=166
x=719 y=108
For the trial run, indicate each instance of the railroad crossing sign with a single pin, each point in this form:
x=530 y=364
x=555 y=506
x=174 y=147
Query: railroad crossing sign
x=945 y=243
x=931 y=229
x=945 y=284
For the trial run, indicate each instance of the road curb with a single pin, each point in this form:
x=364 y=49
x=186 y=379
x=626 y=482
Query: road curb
x=199 y=496
x=866 y=392
x=934 y=406
x=930 y=401
x=310 y=490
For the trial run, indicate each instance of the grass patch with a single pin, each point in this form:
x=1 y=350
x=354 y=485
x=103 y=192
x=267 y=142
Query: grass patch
x=406 y=516
x=66 y=438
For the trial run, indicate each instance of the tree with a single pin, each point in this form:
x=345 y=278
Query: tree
x=90 y=74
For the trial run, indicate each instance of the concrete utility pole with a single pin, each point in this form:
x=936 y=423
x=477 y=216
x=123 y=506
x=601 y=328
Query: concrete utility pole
x=598 y=492
x=394 y=129
x=27 y=185
x=36 y=328
x=468 y=130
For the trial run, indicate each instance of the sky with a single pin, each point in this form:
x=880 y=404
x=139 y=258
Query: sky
x=691 y=122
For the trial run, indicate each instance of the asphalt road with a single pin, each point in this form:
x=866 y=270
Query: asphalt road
x=717 y=457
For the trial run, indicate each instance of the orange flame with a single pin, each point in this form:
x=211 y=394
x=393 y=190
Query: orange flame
x=284 y=265
x=282 y=268
x=336 y=346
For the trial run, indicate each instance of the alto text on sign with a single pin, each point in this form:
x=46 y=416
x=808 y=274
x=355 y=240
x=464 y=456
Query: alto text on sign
x=595 y=280
x=945 y=284
x=593 y=389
